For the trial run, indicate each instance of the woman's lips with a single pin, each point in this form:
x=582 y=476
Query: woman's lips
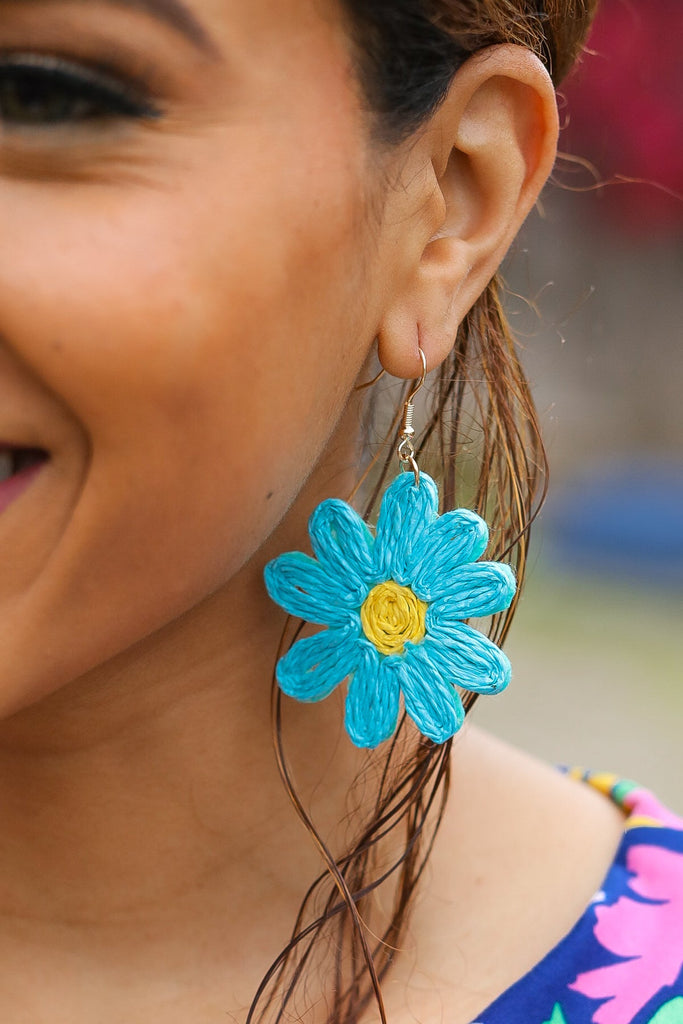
x=27 y=469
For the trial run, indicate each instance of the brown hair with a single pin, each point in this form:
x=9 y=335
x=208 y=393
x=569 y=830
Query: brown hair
x=482 y=439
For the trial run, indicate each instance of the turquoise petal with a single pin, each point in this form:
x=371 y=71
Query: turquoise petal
x=456 y=538
x=430 y=699
x=466 y=657
x=405 y=513
x=305 y=589
x=482 y=588
x=557 y=1017
x=670 y=1013
x=342 y=543
x=314 y=666
x=372 y=701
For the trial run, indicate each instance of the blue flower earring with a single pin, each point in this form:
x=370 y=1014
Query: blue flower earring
x=394 y=604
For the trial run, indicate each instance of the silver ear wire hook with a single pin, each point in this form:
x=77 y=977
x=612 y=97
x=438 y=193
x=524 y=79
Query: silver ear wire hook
x=405 y=449
x=369 y=383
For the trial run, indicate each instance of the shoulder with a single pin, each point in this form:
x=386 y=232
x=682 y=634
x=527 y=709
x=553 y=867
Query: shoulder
x=550 y=895
x=633 y=962
x=521 y=853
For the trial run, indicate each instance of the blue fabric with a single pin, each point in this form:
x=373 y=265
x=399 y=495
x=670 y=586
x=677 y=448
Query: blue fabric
x=622 y=962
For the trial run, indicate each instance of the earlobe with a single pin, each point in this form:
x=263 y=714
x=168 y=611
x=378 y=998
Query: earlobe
x=488 y=149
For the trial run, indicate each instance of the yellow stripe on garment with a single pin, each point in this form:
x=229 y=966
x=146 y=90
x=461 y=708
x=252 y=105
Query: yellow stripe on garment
x=642 y=821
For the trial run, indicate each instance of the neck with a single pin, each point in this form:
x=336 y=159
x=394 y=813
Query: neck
x=144 y=799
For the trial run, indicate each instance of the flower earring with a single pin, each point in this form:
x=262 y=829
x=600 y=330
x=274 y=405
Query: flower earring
x=394 y=603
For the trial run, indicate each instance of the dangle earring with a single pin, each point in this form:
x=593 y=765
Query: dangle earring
x=394 y=603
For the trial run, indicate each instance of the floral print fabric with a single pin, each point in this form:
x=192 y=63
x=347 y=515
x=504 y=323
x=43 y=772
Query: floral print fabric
x=622 y=963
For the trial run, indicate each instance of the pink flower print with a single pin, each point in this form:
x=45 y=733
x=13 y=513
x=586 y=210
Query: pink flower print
x=643 y=804
x=650 y=934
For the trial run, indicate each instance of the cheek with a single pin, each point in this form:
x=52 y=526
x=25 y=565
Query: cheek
x=205 y=339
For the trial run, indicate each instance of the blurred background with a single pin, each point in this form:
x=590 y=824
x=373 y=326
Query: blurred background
x=596 y=299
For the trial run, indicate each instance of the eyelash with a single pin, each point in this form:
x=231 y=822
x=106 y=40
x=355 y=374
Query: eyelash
x=42 y=92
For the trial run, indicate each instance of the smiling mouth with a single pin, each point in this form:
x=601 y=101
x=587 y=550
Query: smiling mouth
x=18 y=467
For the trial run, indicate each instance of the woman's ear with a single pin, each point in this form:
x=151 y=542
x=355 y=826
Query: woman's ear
x=467 y=182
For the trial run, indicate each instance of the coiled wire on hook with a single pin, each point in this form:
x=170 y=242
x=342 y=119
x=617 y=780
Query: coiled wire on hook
x=405 y=448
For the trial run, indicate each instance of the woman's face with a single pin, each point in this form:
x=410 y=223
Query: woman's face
x=184 y=250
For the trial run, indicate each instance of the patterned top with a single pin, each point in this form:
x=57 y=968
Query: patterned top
x=622 y=962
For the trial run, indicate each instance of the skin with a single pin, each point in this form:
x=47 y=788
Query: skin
x=185 y=306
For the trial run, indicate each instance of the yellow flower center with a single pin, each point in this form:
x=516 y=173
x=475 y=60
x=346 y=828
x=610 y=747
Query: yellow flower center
x=391 y=614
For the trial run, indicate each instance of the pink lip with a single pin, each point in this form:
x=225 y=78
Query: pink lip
x=11 y=489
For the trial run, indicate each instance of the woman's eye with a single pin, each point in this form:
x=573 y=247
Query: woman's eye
x=46 y=92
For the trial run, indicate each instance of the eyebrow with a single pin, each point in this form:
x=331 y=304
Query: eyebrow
x=172 y=12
